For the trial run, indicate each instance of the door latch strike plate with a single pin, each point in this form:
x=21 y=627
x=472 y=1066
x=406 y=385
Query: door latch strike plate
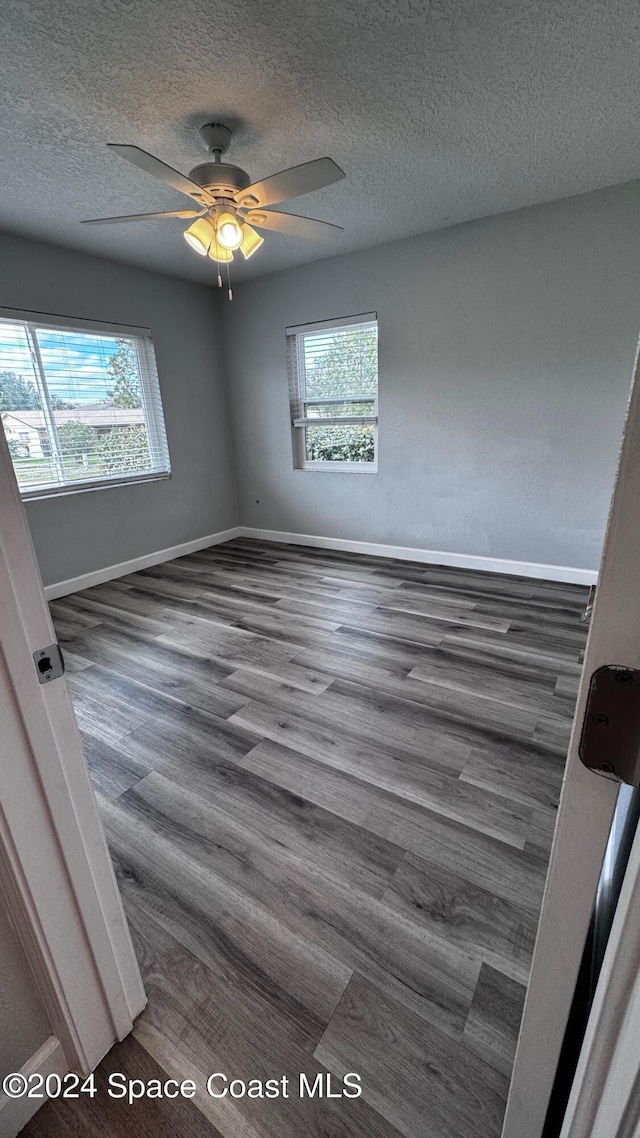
x=610 y=740
x=49 y=663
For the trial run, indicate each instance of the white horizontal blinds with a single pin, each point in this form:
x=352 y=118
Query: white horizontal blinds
x=335 y=397
x=79 y=407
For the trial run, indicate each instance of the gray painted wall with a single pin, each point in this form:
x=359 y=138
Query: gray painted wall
x=24 y=1026
x=78 y=533
x=506 y=351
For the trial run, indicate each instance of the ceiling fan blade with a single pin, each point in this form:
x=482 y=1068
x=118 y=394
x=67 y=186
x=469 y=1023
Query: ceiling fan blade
x=142 y=217
x=291 y=183
x=160 y=170
x=291 y=223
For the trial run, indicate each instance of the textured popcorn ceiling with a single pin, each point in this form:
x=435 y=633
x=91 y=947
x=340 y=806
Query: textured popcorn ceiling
x=438 y=112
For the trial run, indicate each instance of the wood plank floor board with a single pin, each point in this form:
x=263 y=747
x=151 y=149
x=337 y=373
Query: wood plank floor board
x=283 y=583
x=541 y=829
x=294 y=629
x=167 y=589
x=550 y=592
x=347 y=604
x=554 y=732
x=273 y=626
x=560 y=622
x=567 y=686
x=390 y=767
x=469 y=692
x=386 y=718
x=328 y=608
x=293 y=674
x=503 y=775
x=378 y=649
x=69 y=622
x=525 y=659
x=515 y=874
x=99 y=611
x=412 y=1075
x=500 y=678
x=189 y=735
x=337 y=662
x=501 y=932
x=300 y=919
x=132 y=702
x=229 y=810
x=108 y=706
x=431 y=782
x=536 y=635
x=226 y=643
x=127 y=598
x=221 y=926
x=343 y=571
x=208 y=606
x=472 y=583
x=329 y=784
x=417 y=628
x=164 y=669
x=418 y=600
x=494 y=1019
x=112 y=769
x=73 y=661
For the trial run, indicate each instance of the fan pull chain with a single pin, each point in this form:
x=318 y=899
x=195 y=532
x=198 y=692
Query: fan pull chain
x=229 y=281
x=215 y=242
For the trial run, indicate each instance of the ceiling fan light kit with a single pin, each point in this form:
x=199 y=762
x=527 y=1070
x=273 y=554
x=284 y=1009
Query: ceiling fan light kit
x=229 y=205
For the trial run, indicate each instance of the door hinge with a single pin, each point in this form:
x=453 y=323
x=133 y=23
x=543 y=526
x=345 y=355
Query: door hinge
x=49 y=663
x=610 y=740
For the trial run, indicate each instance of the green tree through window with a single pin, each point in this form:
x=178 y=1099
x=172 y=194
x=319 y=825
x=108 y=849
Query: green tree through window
x=17 y=393
x=123 y=366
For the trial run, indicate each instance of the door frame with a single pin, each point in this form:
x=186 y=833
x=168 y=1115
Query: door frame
x=55 y=870
x=585 y=812
x=605 y=1096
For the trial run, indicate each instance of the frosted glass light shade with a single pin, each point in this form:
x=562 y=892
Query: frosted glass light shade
x=200 y=235
x=250 y=241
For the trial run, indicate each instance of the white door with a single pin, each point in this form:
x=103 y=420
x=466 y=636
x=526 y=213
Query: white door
x=586 y=807
x=55 y=869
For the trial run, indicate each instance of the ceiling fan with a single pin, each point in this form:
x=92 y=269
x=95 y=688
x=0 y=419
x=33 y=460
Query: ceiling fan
x=228 y=204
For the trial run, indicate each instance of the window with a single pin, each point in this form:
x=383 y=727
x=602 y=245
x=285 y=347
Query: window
x=333 y=377
x=80 y=404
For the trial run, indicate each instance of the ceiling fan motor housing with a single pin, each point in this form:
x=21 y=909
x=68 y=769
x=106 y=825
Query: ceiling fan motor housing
x=220 y=178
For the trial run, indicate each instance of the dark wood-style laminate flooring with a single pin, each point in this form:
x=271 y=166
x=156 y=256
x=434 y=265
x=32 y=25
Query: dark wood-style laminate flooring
x=329 y=784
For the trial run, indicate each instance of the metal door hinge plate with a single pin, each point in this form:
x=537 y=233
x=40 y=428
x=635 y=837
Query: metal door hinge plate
x=49 y=663
x=610 y=740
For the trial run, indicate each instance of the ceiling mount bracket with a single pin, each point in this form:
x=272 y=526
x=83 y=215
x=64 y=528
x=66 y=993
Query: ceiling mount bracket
x=216 y=137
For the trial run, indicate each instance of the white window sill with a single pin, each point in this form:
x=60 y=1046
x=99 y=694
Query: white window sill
x=65 y=491
x=338 y=468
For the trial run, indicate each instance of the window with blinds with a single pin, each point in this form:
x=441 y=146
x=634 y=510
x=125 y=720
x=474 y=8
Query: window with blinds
x=333 y=379
x=80 y=405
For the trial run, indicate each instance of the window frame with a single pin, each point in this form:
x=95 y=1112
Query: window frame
x=299 y=399
x=150 y=391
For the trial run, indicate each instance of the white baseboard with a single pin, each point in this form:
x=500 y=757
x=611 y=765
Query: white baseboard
x=110 y=572
x=430 y=556
x=47 y=1060
x=399 y=552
